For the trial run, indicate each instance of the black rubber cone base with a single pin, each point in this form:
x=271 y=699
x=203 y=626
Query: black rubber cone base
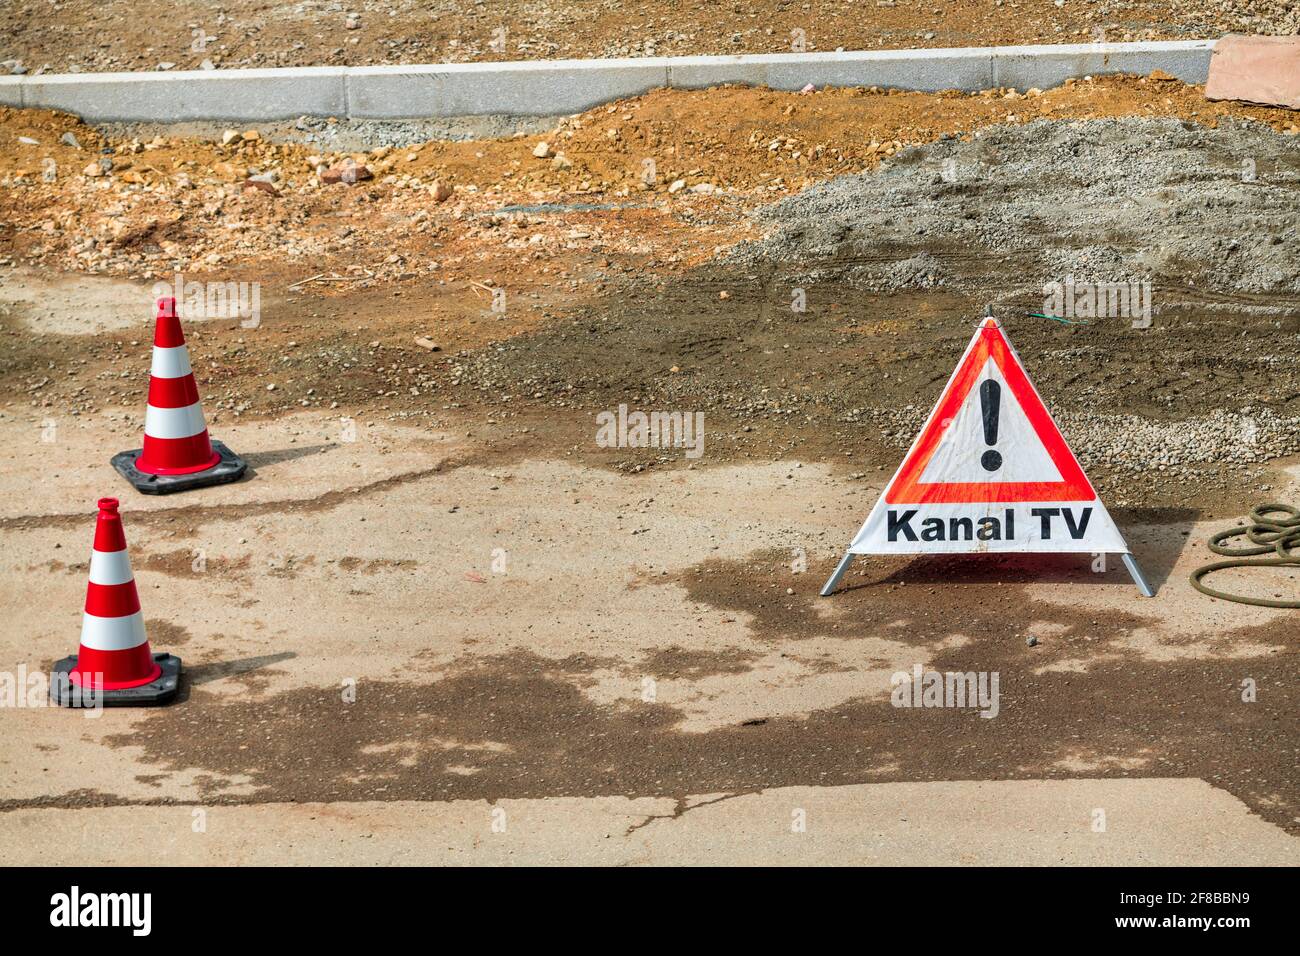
x=161 y=691
x=230 y=468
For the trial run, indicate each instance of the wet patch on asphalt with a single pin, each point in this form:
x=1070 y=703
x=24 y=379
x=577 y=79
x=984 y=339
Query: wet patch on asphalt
x=164 y=635
x=695 y=664
x=516 y=726
x=192 y=563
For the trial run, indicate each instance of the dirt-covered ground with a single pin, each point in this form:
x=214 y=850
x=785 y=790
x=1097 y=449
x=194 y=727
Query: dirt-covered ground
x=1104 y=180
x=623 y=649
x=75 y=35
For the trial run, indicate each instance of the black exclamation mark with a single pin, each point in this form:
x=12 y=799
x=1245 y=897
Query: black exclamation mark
x=990 y=400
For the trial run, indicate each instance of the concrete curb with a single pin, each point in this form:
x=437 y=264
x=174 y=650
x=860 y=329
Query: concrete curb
x=553 y=87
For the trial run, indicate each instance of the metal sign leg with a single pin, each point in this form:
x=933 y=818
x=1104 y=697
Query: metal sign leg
x=1136 y=573
x=834 y=581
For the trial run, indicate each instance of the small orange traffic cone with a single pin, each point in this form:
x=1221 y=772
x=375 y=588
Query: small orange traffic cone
x=177 y=453
x=114 y=664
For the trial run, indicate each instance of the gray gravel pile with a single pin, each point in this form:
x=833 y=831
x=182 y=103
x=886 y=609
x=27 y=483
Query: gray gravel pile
x=921 y=271
x=1099 y=200
x=371 y=134
x=1277 y=17
x=1131 y=443
x=342 y=135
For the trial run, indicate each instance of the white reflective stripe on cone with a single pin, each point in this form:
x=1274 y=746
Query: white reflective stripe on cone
x=170 y=363
x=109 y=567
x=174 y=422
x=112 y=633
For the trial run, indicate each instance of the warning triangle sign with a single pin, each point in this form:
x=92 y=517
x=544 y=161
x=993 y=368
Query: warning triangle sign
x=989 y=472
x=990 y=437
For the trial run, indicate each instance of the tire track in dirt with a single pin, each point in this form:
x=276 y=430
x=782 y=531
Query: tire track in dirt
x=200 y=515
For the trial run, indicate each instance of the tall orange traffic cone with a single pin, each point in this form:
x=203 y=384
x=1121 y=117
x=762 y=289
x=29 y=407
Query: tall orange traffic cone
x=177 y=453
x=114 y=664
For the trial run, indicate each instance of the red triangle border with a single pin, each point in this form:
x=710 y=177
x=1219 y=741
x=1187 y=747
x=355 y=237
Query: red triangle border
x=989 y=342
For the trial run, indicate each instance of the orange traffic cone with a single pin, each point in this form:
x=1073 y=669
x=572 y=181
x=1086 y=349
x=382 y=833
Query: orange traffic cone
x=114 y=664
x=177 y=453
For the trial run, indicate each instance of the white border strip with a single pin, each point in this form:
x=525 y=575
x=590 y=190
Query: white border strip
x=110 y=567
x=112 y=633
x=171 y=362
x=555 y=87
x=183 y=422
